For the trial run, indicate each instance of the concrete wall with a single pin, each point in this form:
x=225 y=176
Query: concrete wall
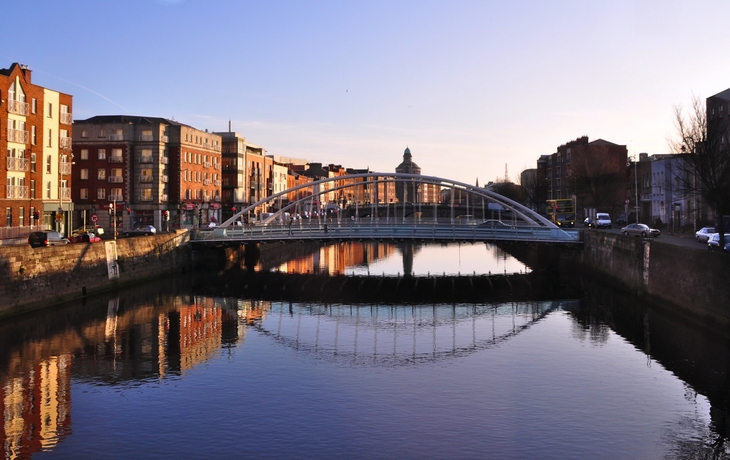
x=696 y=282
x=38 y=277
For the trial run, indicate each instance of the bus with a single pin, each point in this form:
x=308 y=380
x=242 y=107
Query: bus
x=561 y=212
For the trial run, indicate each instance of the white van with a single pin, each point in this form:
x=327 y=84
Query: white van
x=603 y=220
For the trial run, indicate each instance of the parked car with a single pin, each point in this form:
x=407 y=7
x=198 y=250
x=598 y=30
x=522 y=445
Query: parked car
x=493 y=223
x=704 y=234
x=603 y=220
x=727 y=247
x=621 y=220
x=141 y=230
x=641 y=230
x=87 y=237
x=49 y=238
x=713 y=244
x=95 y=229
x=588 y=222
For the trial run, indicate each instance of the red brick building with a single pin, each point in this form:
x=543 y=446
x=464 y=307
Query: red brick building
x=36 y=146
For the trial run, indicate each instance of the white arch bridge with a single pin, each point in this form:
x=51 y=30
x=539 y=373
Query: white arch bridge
x=363 y=207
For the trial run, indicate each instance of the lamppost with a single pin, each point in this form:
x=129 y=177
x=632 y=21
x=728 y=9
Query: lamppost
x=631 y=159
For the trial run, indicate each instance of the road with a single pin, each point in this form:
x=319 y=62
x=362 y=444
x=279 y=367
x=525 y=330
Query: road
x=678 y=239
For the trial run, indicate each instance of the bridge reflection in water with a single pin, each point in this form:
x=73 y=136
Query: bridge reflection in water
x=378 y=335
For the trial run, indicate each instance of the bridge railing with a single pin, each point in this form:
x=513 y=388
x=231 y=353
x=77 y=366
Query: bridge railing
x=359 y=231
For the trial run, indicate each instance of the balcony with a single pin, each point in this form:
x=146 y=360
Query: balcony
x=17 y=135
x=66 y=118
x=65 y=169
x=115 y=198
x=116 y=159
x=16 y=191
x=217 y=166
x=145 y=159
x=164 y=139
x=164 y=160
x=164 y=178
x=143 y=197
x=65 y=193
x=207 y=164
x=115 y=179
x=163 y=198
x=65 y=142
x=17 y=164
x=217 y=183
x=217 y=199
x=206 y=198
x=116 y=137
x=17 y=107
x=206 y=182
x=146 y=138
x=145 y=179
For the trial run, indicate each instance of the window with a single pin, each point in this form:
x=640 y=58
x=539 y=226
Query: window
x=32 y=188
x=146 y=156
x=102 y=133
x=102 y=154
x=146 y=194
x=49 y=164
x=116 y=176
x=21 y=216
x=101 y=174
x=34 y=105
x=101 y=194
x=8 y=217
x=116 y=156
x=84 y=154
x=50 y=137
x=84 y=174
x=117 y=194
x=50 y=110
x=32 y=162
x=84 y=193
x=33 y=135
x=48 y=190
x=146 y=175
x=84 y=133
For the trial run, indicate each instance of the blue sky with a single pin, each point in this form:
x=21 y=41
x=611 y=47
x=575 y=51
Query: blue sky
x=469 y=86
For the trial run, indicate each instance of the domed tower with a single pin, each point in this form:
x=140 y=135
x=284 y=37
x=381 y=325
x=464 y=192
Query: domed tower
x=411 y=193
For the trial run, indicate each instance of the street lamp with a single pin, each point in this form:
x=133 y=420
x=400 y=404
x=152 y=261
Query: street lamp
x=629 y=160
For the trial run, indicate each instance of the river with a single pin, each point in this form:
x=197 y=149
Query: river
x=172 y=370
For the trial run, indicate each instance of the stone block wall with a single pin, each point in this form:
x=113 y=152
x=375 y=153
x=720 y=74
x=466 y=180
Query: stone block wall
x=38 y=277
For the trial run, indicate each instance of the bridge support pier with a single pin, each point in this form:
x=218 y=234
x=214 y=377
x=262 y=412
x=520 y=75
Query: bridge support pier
x=252 y=255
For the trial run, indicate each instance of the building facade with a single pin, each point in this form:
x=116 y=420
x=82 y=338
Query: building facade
x=144 y=169
x=37 y=148
x=408 y=193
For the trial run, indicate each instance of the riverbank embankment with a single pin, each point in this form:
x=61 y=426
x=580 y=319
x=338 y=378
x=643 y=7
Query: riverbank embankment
x=38 y=277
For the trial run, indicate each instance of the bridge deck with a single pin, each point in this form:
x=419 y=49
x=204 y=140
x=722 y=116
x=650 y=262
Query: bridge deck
x=359 y=231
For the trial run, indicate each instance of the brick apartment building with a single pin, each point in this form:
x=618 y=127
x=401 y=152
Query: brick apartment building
x=146 y=166
x=36 y=145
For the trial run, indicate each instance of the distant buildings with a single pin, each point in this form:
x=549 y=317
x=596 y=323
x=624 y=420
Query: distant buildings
x=36 y=146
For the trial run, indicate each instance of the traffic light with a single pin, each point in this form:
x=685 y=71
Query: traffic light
x=233 y=209
x=36 y=215
x=111 y=209
x=166 y=215
x=200 y=215
x=129 y=210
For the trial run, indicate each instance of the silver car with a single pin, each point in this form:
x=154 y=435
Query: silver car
x=640 y=230
x=704 y=234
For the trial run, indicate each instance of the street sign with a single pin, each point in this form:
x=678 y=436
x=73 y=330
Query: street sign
x=94 y=218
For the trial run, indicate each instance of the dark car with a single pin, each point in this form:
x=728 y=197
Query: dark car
x=621 y=220
x=49 y=238
x=588 y=222
x=141 y=230
x=641 y=230
x=713 y=243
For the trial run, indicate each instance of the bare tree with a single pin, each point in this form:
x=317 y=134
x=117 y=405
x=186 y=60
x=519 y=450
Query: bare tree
x=535 y=188
x=705 y=169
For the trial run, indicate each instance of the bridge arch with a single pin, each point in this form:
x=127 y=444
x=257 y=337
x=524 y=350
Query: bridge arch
x=528 y=215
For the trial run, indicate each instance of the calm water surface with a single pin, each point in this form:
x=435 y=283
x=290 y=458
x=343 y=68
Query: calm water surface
x=158 y=372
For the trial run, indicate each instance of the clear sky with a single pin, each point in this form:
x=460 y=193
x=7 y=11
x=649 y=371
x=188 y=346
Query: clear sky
x=469 y=86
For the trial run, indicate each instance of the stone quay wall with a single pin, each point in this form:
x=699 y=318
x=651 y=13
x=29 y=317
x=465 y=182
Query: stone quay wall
x=38 y=277
x=695 y=282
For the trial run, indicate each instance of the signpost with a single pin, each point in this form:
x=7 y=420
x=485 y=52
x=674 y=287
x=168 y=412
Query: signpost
x=94 y=218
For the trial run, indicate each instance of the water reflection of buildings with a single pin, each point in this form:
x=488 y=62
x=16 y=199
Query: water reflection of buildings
x=150 y=341
x=36 y=407
x=334 y=259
